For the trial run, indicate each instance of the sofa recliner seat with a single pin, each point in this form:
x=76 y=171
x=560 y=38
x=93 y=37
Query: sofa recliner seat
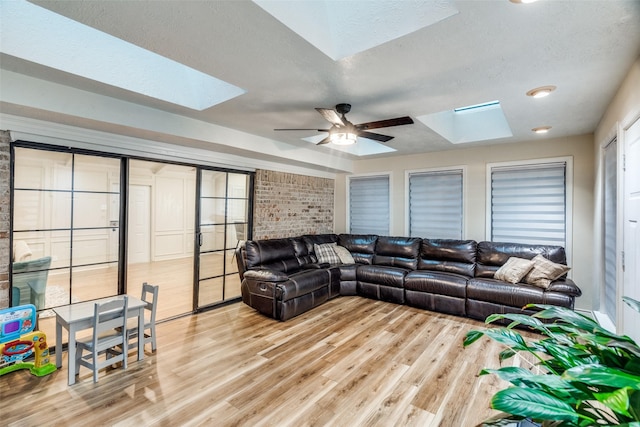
x=282 y=278
x=440 y=280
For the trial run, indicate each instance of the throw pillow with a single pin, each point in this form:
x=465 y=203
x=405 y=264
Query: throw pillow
x=514 y=270
x=326 y=254
x=344 y=254
x=544 y=272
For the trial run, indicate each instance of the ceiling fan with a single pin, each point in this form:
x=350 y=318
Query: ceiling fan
x=343 y=132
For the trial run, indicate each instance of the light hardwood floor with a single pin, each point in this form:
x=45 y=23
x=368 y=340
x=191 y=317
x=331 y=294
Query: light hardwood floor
x=351 y=362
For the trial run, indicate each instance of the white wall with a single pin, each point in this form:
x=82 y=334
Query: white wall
x=580 y=148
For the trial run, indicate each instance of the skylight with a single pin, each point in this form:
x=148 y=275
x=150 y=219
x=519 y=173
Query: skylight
x=344 y=28
x=476 y=106
x=478 y=122
x=38 y=35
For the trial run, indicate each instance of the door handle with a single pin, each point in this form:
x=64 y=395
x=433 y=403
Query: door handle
x=199 y=239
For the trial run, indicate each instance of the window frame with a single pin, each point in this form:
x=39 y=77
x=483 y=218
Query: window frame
x=568 y=161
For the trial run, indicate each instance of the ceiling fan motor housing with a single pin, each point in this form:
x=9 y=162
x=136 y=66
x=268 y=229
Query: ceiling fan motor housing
x=343 y=108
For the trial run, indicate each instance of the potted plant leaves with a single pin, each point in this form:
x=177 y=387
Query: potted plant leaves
x=584 y=375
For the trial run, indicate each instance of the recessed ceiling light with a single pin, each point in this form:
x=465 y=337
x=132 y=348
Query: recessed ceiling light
x=541 y=92
x=541 y=129
x=522 y=1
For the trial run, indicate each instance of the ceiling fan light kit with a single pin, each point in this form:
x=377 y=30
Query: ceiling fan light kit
x=343 y=138
x=343 y=132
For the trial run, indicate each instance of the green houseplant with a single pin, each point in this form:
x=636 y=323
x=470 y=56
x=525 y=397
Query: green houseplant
x=587 y=376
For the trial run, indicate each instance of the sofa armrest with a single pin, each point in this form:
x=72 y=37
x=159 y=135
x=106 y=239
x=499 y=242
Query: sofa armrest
x=265 y=275
x=565 y=286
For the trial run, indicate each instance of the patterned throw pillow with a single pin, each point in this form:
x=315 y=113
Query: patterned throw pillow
x=344 y=254
x=544 y=272
x=514 y=270
x=326 y=254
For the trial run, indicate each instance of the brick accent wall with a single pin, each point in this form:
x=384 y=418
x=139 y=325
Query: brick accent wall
x=5 y=194
x=287 y=205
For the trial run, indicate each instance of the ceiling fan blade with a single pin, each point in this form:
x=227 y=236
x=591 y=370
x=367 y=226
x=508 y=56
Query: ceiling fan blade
x=331 y=116
x=324 y=141
x=375 y=136
x=406 y=120
x=317 y=130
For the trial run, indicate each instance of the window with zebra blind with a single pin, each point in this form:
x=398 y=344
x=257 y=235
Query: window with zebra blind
x=610 y=191
x=369 y=211
x=435 y=204
x=530 y=202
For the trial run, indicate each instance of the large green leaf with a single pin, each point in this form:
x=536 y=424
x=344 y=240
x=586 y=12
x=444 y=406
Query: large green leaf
x=634 y=404
x=518 y=319
x=471 y=337
x=565 y=315
x=608 y=343
x=507 y=337
x=552 y=384
x=632 y=366
x=567 y=357
x=508 y=373
x=505 y=354
x=598 y=375
x=617 y=400
x=502 y=419
x=632 y=303
x=535 y=404
x=574 y=320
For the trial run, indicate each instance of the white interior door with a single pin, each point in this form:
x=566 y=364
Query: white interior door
x=139 y=223
x=631 y=232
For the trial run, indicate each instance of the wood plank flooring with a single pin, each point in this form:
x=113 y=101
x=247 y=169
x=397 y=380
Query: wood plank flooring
x=351 y=362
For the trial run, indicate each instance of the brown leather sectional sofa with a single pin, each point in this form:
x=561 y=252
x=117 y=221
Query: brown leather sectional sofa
x=281 y=278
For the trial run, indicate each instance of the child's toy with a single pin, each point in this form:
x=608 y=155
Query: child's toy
x=18 y=341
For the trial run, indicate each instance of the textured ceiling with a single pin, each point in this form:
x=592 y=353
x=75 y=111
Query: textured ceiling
x=490 y=50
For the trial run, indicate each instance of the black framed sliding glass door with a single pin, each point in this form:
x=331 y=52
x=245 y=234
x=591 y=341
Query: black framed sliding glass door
x=224 y=221
x=66 y=234
x=87 y=225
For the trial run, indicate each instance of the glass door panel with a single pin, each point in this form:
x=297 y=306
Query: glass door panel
x=223 y=222
x=62 y=243
x=161 y=233
x=95 y=236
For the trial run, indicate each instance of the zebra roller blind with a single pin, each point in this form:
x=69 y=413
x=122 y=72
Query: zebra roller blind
x=528 y=204
x=610 y=213
x=435 y=204
x=369 y=205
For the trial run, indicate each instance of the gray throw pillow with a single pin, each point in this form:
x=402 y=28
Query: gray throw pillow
x=344 y=254
x=326 y=254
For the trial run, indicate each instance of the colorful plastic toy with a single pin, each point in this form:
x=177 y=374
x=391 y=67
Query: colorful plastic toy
x=19 y=340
